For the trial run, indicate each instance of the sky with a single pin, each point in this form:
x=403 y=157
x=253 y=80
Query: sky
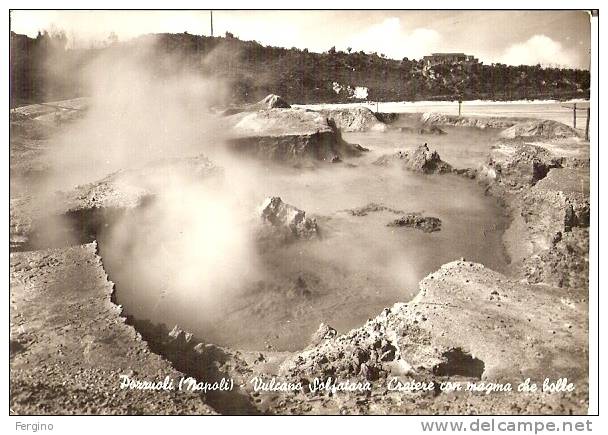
x=551 y=38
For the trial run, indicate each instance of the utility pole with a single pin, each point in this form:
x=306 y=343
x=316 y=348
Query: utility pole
x=211 y=16
x=574 y=116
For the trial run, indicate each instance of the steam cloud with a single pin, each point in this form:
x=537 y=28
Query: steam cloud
x=192 y=246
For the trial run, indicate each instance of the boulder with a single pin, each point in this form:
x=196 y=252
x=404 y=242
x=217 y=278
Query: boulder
x=273 y=101
x=354 y=119
x=288 y=135
x=427 y=224
x=291 y=221
x=517 y=164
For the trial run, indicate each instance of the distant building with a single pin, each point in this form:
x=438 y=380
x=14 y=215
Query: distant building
x=449 y=58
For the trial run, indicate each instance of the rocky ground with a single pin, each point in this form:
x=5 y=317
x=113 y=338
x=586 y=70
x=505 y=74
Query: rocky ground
x=468 y=324
x=69 y=344
x=547 y=192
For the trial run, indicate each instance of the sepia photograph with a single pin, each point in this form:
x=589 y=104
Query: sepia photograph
x=303 y=212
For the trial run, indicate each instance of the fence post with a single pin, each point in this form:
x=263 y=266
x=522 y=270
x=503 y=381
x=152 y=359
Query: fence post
x=587 y=123
x=574 y=116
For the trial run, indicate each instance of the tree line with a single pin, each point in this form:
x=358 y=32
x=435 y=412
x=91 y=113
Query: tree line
x=44 y=68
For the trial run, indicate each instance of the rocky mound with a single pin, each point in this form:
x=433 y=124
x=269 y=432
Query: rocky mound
x=288 y=220
x=354 y=119
x=426 y=340
x=428 y=224
x=288 y=135
x=540 y=128
x=519 y=164
x=279 y=122
x=482 y=122
x=548 y=239
x=420 y=160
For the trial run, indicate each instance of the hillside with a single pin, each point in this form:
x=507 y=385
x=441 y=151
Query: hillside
x=43 y=69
